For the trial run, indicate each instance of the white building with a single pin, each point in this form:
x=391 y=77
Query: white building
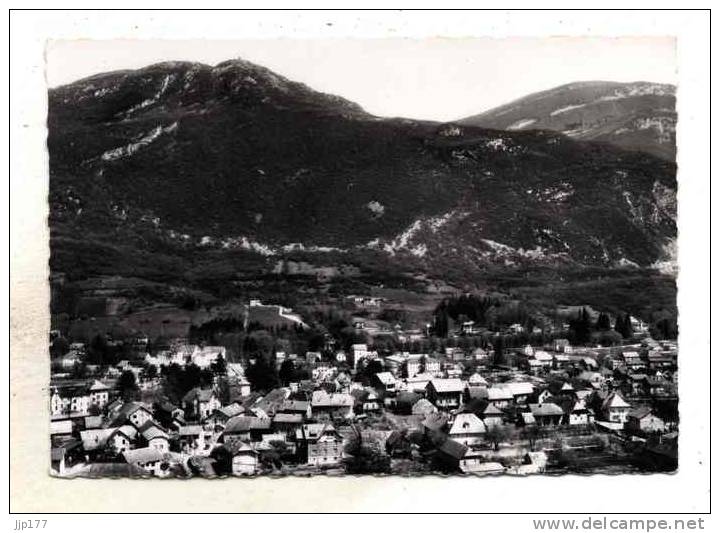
x=468 y=429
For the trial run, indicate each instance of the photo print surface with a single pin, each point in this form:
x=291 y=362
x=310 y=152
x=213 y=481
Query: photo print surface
x=362 y=257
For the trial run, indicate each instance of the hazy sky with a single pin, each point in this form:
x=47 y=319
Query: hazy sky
x=437 y=79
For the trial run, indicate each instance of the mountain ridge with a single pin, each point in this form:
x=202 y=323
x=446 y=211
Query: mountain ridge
x=632 y=115
x=207 y=155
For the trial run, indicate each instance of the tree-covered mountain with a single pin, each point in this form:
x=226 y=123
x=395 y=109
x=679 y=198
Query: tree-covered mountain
x=235 y=157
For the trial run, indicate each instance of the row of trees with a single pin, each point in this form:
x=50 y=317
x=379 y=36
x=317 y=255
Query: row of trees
x=490 y=312
x=98 y=351
x=263 y=374
x=290 y=372
x=584 y=330
x=179 y=380
x=494 y=313
x=467 y=306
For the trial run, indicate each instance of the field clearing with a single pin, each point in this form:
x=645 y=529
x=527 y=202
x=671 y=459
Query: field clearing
x=157 y=322
x=269 y=317
x=641 y=295
x=408 y=300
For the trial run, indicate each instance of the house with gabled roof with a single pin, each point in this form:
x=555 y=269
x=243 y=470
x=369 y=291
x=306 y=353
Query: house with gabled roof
x=246 y=428
x=118 y=439
x=287 y=423
x=615 y=408
x=245 y=459
x=367 y=400
x=316 y=432
x=500 y=396
x=418 y=383
x=445 y=393
x=561 y=390
x=226 y=412
x=579 y=415
x=331 y=405
x=124 y=438
x=385 y=382
x=546 y=414
x=476 y=380
x=154 y=436
x=168 y=415
x=272 y=401
x=467 y=429
x=544 y=396
x=520 y=390
x=300 y=407
x=200 y=403
x=319 y=444
x=492 y=416
x=642 y=420
x=69 y=400
x=99 y=393
x=134 y=413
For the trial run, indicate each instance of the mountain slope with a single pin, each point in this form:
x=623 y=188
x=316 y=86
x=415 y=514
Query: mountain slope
x=182 y=156
x=635 y=116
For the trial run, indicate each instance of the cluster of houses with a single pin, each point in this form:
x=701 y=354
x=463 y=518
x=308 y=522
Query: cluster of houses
x=452 y=408
x=181 y=354
x=163 y=439
x=364 y=300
